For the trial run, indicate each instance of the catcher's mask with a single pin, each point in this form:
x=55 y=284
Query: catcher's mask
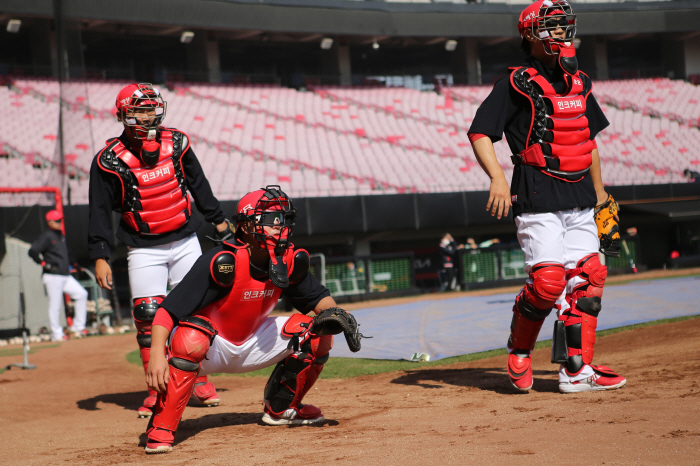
x=270 y=215
x=142 y=108
x=543 y=18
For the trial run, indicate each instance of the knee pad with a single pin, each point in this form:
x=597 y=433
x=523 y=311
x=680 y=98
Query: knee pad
x=534 y=304
x=593 y=272
x=294 y=376
x=548 y=283
x=144 y=312
x=190 y=342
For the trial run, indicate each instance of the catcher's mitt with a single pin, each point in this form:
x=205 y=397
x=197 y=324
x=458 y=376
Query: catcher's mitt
x=333 y=321
x=608 y=229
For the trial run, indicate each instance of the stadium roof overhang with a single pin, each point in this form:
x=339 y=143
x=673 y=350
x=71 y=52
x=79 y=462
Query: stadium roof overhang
x=677 y=210
x=300 y=19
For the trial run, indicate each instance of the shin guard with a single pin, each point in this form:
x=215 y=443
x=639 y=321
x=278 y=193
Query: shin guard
x=581 y=319
x=144 y=312
x=531 y=307
x=188 y=347
x=295 y=375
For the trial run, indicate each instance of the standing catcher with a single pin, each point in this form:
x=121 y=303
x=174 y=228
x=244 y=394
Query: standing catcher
x=51 y=252
x=146 y=175
x=217 y=321
x=550 y=119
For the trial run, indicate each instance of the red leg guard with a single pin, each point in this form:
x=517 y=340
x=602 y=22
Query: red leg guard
x=144 y=312
x=292 y=379
x=532 y=306
x=581 y=319
x=188 y=347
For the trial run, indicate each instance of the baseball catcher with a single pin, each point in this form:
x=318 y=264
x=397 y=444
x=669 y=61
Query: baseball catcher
x=550 y=119
x=217 y=321
x=147 y=175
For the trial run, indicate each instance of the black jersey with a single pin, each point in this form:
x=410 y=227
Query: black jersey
x=198 y=290
x=51 y=248
x=105 y=197
x=507 y=111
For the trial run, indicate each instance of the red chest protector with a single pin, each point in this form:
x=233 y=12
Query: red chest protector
x=558 y=140
x=154 y=199
x=244 y=309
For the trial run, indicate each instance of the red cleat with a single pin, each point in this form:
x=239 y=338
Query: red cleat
x=148 y=405
x=520 y=370
x=301 y=415
x=205 y=392
x=159 y=441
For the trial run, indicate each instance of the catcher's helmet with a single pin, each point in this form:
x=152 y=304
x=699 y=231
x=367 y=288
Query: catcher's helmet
x=545 y=16
x=271 y=214
x=268 y=207
x=145 y=99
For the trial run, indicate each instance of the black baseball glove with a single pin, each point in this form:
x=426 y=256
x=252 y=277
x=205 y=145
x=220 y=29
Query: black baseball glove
x=221 y=236
x=333 y=321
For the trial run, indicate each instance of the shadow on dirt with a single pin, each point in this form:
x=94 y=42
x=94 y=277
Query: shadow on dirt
x=130 y=400
x=191 y=427
x=491 y=379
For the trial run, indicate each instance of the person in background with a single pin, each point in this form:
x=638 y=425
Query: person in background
x=448 y=256
x=50 y=251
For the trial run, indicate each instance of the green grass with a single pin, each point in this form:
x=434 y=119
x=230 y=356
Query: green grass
x=346 y=368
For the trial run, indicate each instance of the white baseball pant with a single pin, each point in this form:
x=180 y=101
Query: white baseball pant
x=267 y=347
x=56 y=285
x=152 y=268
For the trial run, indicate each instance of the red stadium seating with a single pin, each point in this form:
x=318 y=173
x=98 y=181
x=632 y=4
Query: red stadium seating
x=336 y=141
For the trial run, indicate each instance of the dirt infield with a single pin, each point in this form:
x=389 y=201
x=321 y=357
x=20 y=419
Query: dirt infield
x=79 y=406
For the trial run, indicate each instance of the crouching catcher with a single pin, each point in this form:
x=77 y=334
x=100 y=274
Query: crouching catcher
x=217 y=321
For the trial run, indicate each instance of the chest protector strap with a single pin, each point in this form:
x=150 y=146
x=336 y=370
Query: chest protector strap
x=154 y=198
x=558 y=141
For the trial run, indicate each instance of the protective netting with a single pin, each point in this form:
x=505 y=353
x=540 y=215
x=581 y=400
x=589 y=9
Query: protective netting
x=368 y=274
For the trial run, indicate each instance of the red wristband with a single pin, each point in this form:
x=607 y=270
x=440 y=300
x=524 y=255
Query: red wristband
x=164 y=319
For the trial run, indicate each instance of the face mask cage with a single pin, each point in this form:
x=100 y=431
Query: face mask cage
x=146 y=112
x=552 y=17
x=275 y=211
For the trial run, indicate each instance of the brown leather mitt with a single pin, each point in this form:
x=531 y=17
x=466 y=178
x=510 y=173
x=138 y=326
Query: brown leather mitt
x=608 y=229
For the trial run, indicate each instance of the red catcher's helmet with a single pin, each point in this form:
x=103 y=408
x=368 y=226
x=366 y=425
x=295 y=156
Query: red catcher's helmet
x=53 y=216
x=544 y=16
x=147 y=99
x=268 y=207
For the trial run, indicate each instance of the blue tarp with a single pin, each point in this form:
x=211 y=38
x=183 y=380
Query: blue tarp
x=451 y=327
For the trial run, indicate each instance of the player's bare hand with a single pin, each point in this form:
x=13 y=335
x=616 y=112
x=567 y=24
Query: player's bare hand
x=499 y=198
x=157 y=373
x=103 y=274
